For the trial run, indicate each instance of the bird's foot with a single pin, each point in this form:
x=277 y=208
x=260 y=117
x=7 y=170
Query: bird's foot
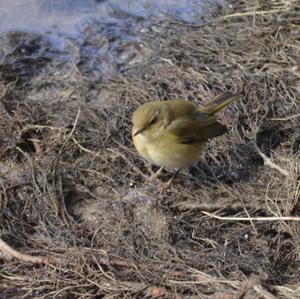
x=165 y=186
x=154 y=176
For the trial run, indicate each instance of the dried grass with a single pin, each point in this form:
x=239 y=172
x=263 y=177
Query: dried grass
x=71 y=183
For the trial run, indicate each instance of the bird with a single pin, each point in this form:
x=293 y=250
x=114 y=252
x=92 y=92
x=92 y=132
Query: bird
x=172 y=133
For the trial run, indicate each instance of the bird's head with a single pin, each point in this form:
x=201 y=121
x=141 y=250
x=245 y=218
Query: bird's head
x=147 y=117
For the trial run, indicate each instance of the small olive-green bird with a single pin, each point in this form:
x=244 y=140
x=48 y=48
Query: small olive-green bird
x=172 y=133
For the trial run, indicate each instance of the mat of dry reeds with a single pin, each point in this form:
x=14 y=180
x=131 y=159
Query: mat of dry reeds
x=77 y=220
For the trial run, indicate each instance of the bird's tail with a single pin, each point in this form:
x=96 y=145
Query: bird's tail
x=219 y=102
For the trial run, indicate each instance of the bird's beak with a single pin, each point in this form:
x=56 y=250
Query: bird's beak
x=138 y=131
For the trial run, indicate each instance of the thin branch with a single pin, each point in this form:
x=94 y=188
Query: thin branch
x=287 y=117
x=251 y=13
x=270 y=163
x=263 y=293
x=6 y=249
x=85 y=149
x=281 y=218
x=74 y=125
x=72 y=131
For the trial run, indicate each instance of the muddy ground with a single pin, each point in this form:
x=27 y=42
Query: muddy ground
x=72 y=190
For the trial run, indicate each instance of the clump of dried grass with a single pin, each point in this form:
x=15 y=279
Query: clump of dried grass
x=65 y=153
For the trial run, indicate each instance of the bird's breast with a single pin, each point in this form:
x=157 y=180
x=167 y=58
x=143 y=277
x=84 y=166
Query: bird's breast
x=166 y=150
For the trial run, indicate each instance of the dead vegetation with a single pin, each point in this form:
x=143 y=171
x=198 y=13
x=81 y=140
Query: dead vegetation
x=72 y=196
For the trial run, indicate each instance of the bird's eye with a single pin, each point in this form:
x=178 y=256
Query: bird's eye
x=153 y=121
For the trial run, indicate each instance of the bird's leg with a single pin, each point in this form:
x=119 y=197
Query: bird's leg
x=154 y=176
x=165 y=186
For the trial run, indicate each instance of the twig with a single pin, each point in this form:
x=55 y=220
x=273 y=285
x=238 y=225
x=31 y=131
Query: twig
x=21 y=256
x=250 y=13
x=39 y=127
x=281 y=218
x=287 y=117
x=248 y=215
x=270 y=163
x=74 y=125
x=85 y=149
x=263 y=293
x=72 y=131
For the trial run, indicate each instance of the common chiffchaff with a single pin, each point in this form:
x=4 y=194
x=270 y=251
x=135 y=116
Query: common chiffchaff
x=172 y=133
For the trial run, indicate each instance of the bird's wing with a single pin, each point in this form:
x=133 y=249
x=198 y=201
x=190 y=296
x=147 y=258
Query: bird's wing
x=196 y=129
x=218 y=103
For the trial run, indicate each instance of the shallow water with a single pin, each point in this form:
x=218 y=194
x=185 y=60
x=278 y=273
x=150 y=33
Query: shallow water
x=101 y=36
x=63 y=16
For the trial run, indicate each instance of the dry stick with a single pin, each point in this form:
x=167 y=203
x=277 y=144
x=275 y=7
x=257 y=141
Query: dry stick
x=39 y=127
x=85 y=149
x=279 y=218
x=71 y=132
x=116 y=262
x=249 y=217
x=263 y=293
x=270 y=163
x=251 y=13
x=74 y=126
x=287 y=117
x=6 y=249
x=21 y=256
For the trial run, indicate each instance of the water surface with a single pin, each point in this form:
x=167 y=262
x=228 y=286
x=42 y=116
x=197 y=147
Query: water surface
x=100 y=36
